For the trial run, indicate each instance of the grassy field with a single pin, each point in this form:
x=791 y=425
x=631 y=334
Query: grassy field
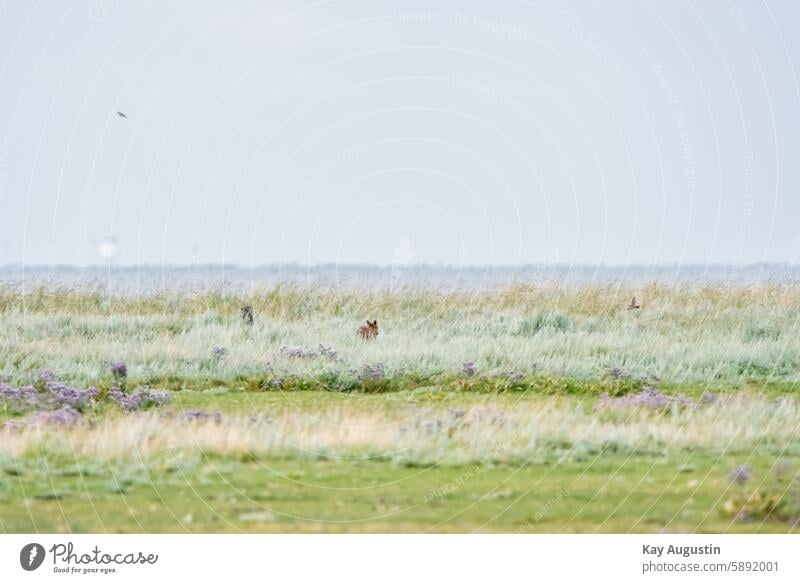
x=524 y=410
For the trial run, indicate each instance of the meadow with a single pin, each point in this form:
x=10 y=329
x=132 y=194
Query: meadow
x=548 y=408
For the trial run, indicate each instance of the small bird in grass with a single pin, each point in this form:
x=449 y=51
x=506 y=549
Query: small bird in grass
x=247 y=314
x=634 y=305
x=119 y=113
x=368 y=331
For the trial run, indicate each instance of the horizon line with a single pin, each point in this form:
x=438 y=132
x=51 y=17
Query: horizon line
x=542 y=265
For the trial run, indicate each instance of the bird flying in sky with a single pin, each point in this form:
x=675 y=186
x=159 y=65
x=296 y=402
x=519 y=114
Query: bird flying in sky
x=119 y=113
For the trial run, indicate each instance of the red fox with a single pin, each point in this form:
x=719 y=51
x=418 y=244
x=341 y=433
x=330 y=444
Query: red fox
x=369 y=330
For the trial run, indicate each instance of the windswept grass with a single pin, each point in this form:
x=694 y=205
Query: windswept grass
x=720 y=336
x=515 y=432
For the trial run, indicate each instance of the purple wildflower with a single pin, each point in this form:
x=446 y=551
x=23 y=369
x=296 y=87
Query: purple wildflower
x=21 y=396
x=329 y=351
x=201 y=416
x=157 y=397
x=119 y=370
x=45 y=375
x=54 y=395
x=652 y=398
x=707 y=398
x=741 y=475
x=302 y=352
x=218 y=353
x=60 y=395
x=15 y=425
x=372 y=372
x=469 y=369
x=297 y=352
x=140 y=398
x=65 y=417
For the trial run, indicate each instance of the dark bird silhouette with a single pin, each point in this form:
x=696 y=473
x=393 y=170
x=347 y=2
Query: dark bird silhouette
x=634 y=305
x=119 y=113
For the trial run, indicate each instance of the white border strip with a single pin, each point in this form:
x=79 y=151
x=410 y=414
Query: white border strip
x=387 y=558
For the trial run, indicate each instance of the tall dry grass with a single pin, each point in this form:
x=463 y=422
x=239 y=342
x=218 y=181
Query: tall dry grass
x=527 y=432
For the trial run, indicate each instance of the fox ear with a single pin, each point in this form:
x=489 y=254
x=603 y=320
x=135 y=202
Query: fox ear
x=374 y=322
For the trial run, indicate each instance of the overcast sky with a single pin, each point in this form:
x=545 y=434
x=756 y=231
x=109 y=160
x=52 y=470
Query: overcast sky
x=428 y=132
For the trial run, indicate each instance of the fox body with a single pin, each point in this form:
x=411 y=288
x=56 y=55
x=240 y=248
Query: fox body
x=369 y=330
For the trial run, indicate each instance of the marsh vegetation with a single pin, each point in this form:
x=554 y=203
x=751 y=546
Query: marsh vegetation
x=523 y=409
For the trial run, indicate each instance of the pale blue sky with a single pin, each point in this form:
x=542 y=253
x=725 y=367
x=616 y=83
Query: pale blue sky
x=407 y=132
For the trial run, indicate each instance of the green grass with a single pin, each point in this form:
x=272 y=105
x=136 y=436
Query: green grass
x=316 y=445
x=609 y=493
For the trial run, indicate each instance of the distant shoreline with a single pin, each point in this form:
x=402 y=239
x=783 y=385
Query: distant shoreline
x=232 y=278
